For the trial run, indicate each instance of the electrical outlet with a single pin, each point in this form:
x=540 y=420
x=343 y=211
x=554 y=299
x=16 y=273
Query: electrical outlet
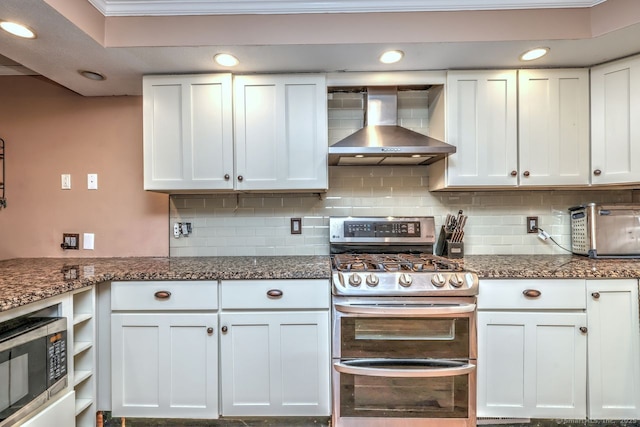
x=532 y=224
x=92 y=181
x=296 y=225
x=70 y=241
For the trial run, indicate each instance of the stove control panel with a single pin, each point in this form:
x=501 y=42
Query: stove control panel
x=396 y=284
x=382 y=229
x=387 y=230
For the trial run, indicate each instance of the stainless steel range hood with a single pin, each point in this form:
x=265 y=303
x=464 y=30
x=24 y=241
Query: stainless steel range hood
x=382 y=142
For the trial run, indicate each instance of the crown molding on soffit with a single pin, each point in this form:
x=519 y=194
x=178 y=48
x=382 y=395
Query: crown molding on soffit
x=218 y=7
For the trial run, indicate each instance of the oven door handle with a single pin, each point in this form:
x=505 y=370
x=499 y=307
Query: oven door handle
x=405 y=310
x=346 y=368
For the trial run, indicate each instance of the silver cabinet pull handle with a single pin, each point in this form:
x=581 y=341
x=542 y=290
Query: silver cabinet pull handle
x=162 y=294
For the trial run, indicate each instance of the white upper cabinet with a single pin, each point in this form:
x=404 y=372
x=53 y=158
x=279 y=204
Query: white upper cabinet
x=615 y=128
x=281 y=132
x=280 y=140
x=553 y=113
x=527 y=128
x=482 y=124
x=188 y=132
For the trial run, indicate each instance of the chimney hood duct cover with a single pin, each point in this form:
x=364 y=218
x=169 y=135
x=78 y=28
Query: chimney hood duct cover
x=382 y=142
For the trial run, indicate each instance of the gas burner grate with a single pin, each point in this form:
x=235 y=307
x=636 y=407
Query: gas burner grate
x=393 y=263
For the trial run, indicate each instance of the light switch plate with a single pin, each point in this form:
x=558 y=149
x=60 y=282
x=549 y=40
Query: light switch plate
x=87 y=241
x=65 y=179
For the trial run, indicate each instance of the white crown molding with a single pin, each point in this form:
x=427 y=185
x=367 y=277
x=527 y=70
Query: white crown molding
x=229 y=7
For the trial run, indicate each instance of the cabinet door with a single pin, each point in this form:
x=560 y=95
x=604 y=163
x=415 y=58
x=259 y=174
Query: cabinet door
x=531 y=365
x=60 y=413
x=164 y=365
x=275 y=363
x=615 y=128
x=482 y=124
x=188 y=133
x=614 y=355
x=281 y=132
x=553 y=116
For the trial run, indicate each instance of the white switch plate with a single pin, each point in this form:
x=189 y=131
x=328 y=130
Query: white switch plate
x=92 y=181
x=87 y=241
x=65 y=179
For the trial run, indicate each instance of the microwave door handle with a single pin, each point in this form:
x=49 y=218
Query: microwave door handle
x=404 y=373
x=405 y=310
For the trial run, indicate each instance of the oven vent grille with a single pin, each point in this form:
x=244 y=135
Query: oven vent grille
x=497 y=421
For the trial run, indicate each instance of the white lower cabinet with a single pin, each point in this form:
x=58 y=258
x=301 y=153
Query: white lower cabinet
x=275 y=348
x=532 y=365
x=532 y=350
x=559 y=349
x=164 y=349
x=614 y=354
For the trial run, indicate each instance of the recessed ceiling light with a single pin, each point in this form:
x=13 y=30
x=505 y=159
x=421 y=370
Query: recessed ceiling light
x=92 y=75
x=535 y=53
x=391 y=56
x=18 y=29
x=226 y=60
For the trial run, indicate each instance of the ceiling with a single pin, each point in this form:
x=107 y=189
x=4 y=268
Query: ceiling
x=125 y=39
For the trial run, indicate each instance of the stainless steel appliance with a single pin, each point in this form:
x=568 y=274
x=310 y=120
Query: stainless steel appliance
x=606 y=230
x=404 y=327
x=382 y=142
x=33 y=364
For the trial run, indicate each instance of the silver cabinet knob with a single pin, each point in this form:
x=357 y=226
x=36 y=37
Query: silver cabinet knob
x=240 y=177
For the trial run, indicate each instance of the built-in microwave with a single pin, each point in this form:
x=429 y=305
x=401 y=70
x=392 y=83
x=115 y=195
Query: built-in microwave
x=33 y=364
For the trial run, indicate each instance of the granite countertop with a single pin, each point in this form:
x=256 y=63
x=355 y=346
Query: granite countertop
x=26 y=280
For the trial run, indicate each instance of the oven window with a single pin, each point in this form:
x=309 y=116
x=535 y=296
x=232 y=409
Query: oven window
x=404 y=397
x=404 y=337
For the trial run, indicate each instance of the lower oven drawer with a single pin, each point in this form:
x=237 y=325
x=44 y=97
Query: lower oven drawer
x=408 y=393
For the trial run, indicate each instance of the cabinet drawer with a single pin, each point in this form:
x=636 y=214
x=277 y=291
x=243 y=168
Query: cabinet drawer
x=275 y=294
x=178 y=295
x=569 y=294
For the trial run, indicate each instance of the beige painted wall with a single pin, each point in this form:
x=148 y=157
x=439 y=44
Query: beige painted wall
x=49 y=130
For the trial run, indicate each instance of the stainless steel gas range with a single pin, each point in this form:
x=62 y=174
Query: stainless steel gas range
x=404 y=326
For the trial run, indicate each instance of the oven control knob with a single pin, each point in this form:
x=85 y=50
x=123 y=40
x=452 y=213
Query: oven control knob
x=405 y=280
x=456 y=281
x=372 y=280
x=355 y=280
x=438 y=280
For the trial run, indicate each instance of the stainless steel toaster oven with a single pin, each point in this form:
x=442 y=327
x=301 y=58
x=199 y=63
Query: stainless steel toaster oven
x=606 y=230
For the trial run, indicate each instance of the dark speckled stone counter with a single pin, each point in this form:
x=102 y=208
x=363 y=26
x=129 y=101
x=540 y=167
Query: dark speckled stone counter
x=550 y=267
x=25 y=280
